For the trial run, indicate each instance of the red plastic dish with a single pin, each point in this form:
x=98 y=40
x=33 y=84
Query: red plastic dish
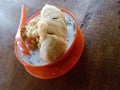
x=61 y=65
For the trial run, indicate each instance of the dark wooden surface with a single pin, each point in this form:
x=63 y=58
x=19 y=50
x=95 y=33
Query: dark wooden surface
x=99 y=66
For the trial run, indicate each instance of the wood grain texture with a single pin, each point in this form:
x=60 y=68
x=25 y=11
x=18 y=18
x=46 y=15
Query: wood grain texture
x=99 y=66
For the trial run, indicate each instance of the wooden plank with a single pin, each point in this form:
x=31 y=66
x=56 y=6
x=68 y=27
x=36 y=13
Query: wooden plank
x=99 y=66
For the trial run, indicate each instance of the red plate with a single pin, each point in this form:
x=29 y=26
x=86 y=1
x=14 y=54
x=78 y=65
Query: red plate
x=54 y=71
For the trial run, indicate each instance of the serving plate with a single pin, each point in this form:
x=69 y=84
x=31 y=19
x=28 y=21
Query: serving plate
x=63 y=67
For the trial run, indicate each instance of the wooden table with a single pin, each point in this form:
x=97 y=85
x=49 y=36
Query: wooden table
x=99 y=66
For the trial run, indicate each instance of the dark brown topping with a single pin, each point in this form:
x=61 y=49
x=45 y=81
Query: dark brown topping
x=55 y=18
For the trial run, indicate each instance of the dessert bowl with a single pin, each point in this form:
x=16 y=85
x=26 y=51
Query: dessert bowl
x=75 y=45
